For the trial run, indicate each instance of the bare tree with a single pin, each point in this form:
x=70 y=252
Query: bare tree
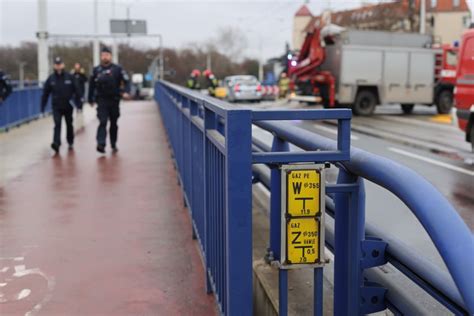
x=225 y=50
x=232 y=42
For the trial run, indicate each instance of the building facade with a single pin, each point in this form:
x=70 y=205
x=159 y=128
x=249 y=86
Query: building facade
x=445 y=19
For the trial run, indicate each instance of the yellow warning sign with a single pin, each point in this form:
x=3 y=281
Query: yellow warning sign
x=303 y=190
x=303 y=216
x=302 y=240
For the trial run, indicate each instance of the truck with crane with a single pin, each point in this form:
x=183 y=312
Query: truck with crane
x=362 y=69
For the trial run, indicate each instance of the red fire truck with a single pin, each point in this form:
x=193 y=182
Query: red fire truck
x=464 y=90
x=361 y=69
x=445 y=75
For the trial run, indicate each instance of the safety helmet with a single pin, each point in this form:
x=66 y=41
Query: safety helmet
x=195 y=73
x=207 y=73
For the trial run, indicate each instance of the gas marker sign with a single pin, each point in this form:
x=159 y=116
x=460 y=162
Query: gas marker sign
x=302 y=218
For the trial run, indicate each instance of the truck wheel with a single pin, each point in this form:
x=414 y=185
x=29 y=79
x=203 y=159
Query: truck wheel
x=365 y=103
x=407 y=108
x=445 y=102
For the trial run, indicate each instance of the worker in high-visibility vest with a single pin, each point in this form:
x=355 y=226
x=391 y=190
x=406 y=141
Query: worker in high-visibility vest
x=284 y=85
x=211 y=81
x=193 y=80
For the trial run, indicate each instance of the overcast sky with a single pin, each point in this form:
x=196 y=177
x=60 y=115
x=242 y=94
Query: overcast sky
x=266 y=23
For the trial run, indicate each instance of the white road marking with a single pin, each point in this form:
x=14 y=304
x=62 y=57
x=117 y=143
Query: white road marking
x=19 y=269
x=12 y=258
x=332 y=131
x=432 y=161
x=19 y=272
x=24 y=293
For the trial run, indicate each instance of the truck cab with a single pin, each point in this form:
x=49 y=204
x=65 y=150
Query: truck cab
x=464 y=90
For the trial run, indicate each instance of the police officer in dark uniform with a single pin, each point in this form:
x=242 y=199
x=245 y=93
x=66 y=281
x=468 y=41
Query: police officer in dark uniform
x=5 y=86
x=81 y=79
x=62 y=87
x=107 y=85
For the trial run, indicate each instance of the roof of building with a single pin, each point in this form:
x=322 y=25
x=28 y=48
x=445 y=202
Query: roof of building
x=303 y=11
x=446 y=5
x=393 y=10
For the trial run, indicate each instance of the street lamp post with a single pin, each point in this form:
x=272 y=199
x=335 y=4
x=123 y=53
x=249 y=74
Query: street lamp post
x=423 y=17
x=96 y=45
x=42 y=35
x=21 y=74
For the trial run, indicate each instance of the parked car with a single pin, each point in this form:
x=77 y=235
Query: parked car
x=243 y=88
x=464 y=90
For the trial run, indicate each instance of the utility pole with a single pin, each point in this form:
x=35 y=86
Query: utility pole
x=162 y=59
x=42 y=35
x=260 y=59
x=208 y=61
x=411 y=14
x=115 y=47
x=95 y=43
x=21 y=74
x=423 y=17
x=128 y=20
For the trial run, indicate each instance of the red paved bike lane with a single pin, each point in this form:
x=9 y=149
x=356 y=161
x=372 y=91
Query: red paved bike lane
x=83 y=234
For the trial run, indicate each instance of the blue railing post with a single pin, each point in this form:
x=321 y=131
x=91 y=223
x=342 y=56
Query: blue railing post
x=278 y=145
x=318 y=291
x=209 y=124
x=238 y=188
x=349 y=233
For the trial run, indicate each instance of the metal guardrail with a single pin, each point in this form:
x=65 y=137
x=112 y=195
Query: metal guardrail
x=216 y=177
x=21 y=106
x=214 y=154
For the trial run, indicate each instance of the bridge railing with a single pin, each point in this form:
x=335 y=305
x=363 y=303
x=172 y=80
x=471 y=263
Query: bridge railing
x=21 y=106
x=212 y=147
x=214 y=153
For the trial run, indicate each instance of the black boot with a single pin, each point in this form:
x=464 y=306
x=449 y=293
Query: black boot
x=101 y=149
x=55 y=147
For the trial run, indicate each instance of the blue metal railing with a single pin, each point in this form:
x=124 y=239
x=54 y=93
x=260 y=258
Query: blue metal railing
x=216 y=176
x=214 y=153
x=21 y=106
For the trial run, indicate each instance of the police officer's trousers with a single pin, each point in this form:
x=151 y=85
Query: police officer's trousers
x=57 y=116
x=107 y=110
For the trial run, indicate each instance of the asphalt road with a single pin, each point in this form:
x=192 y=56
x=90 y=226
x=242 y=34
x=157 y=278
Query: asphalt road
x=425 y=142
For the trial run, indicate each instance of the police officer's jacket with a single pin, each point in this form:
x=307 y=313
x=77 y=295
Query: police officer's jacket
x=108 y=82
x=62 y=88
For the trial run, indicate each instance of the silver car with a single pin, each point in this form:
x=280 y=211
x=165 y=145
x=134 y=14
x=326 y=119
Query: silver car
x=243 y=88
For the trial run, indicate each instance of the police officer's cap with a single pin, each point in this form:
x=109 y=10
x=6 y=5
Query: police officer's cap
x=105 y=49
x=58 y=61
